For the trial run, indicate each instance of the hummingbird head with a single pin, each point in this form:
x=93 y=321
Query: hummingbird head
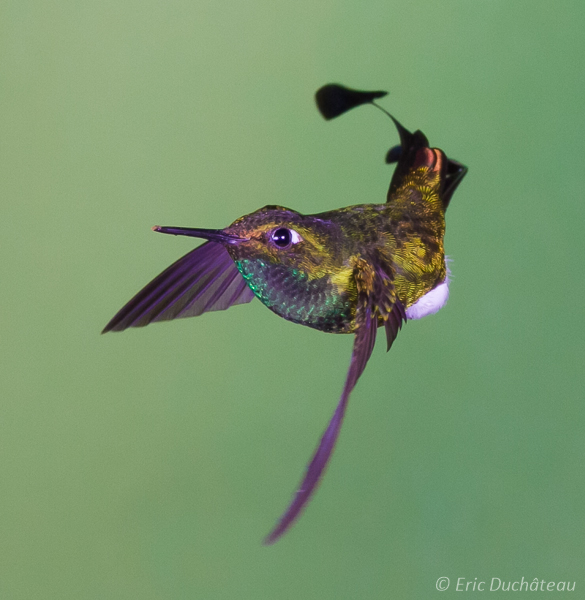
x=293 y=263
x=284 y=238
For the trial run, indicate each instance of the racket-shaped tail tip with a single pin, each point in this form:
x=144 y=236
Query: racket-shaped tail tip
x=334 y=99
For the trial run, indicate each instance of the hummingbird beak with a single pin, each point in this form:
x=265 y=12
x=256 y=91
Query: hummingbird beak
x=213 y=235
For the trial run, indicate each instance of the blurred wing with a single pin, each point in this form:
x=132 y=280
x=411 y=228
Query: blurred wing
x=453 y=177
x=203 y=280
x=362 y=349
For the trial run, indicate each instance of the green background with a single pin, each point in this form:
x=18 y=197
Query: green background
x=150 y=464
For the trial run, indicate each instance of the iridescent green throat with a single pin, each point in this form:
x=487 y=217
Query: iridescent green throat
x=291 y=294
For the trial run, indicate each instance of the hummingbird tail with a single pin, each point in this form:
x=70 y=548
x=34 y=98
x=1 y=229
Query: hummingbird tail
x=334 y=99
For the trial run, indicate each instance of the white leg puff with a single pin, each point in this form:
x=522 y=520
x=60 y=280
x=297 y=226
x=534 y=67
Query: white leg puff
x=430 y=303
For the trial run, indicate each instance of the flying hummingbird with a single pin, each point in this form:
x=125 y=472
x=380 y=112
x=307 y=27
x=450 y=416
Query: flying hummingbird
x=350 y=270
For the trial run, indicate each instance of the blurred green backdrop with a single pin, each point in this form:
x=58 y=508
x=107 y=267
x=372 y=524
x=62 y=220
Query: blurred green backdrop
x=150 y=464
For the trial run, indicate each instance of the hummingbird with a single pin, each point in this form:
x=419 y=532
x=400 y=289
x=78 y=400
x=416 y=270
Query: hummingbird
x=348 y=271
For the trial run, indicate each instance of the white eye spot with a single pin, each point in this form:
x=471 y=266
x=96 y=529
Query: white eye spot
x=295 y=238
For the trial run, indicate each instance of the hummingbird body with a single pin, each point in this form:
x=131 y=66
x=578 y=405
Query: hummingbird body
x=349 y=270
x=312 y=283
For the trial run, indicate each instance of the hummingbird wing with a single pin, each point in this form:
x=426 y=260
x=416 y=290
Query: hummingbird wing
x=375 y=298
x=203 y=280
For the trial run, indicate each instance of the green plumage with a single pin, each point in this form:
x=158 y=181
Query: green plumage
x=292 y=295
x=312 y=282
x=349 y=270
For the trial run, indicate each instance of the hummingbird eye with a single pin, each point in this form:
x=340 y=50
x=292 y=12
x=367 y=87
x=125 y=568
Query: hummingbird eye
x=283 y=237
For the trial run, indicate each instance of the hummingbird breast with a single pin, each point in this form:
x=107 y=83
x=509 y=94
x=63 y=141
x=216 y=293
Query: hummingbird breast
x=326 y=303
